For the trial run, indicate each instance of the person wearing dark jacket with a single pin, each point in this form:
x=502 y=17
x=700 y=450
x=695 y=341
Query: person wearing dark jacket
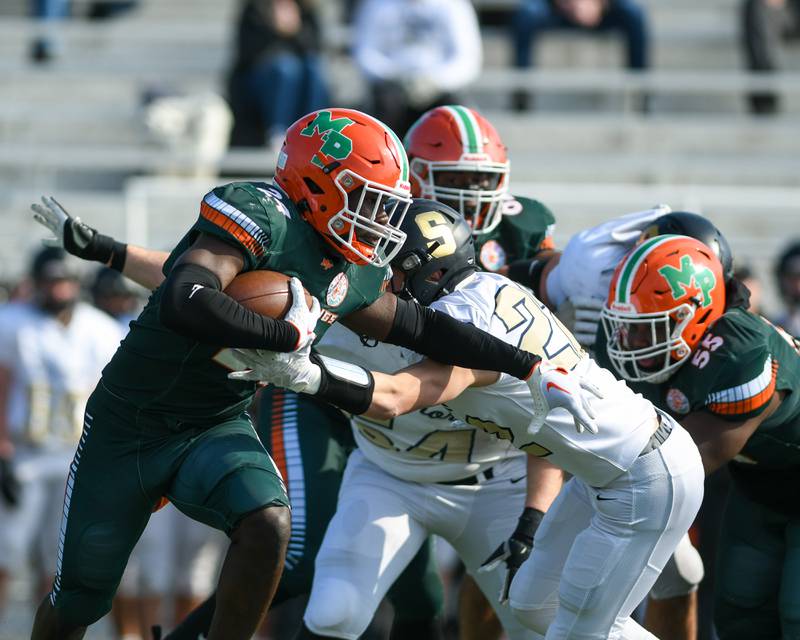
x=276 y=75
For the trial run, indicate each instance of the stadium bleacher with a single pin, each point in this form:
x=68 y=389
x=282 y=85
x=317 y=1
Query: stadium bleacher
x=75 y=127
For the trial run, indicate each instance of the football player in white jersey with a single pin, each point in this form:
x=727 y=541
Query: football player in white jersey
x=637 y=483
x=52 y=349
x=426 y=472
x=577 y=287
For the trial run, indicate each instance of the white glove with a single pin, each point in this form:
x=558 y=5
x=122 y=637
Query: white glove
x=303 y=318
x=587 y=319
x=292 y=370
x=590 y=257
x=52 y=216
x=555 y=387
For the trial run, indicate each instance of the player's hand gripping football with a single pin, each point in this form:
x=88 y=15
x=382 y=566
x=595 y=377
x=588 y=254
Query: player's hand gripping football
x=299 y=315
x=293 y=370
x=514 y=551
x=71 y=234
x=555 y=387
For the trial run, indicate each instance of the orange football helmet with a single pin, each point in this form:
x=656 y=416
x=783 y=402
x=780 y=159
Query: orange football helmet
x=664 y=295
x=348 y=173
x=458 y=158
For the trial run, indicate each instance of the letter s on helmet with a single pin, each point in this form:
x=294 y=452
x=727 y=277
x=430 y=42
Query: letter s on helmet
x=664 y=295
x=348 y=172
x=438 y=252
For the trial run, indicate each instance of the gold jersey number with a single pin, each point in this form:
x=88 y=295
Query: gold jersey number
x=535 y=328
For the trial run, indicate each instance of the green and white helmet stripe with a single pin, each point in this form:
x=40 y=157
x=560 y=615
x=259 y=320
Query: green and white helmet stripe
x=471 y=139
x=632 y=264
x=399 y=149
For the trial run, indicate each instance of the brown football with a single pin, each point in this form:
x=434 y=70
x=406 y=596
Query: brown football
x=265 y=292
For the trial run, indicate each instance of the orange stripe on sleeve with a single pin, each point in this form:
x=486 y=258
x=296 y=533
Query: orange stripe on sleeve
x=750 y=404
x=232 y=227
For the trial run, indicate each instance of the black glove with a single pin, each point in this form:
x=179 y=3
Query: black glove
x=9 y=484
x=516 y=549
x=77 y=237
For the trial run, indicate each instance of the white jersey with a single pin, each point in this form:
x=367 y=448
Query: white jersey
x=510 y=312
x=54 y=369
x=429 y=445
x=590 y=257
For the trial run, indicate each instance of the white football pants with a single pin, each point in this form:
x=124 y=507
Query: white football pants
x=381 y=523
x=598 y=551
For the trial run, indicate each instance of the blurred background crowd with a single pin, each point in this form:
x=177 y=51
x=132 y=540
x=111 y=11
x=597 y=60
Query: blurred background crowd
x=130 y=110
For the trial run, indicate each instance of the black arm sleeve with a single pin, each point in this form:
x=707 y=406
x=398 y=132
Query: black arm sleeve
x=447 y=340
x=528 y=272
x=193 y=305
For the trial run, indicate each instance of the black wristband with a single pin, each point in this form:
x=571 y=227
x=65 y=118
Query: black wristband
x=83 y=241
x=527 y=524
x=353 y=397
x=119 y=253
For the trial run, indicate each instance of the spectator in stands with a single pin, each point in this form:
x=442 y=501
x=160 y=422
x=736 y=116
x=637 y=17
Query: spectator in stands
x=277 y=74
x=49 y=12
x=764 y=24
x=104 y=9
x=416 y=54
x=596 y=16
x=787 y=273
x=52 y=349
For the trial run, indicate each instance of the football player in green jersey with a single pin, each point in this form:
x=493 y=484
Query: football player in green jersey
x=458 y=158
x=524 y=230
x=311 y=460
x=673 y=331
x=332 y=217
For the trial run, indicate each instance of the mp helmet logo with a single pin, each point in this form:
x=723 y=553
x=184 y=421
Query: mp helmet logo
x=680 y=279
x=335 y=145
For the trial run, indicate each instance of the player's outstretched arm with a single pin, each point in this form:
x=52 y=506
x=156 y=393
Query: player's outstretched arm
x=424 y=384
x=143 y=266
x=355 y=389
x=440 y=337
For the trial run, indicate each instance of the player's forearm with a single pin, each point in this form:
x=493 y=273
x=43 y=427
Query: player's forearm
x=423 y=385
x=393 y=395
x=445 y=339
x=544 y=481
x=383 y=396
x=144 y=266
x=533 y=272
x=194 y=305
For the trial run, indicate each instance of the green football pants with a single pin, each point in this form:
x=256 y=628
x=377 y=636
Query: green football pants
x=758 y=574
x=125 y=462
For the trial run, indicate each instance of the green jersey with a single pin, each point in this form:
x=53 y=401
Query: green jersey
x=733 y=373
x=161 y=371
x=526 y=228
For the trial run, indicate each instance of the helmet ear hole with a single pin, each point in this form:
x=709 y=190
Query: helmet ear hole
x=313 y=187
